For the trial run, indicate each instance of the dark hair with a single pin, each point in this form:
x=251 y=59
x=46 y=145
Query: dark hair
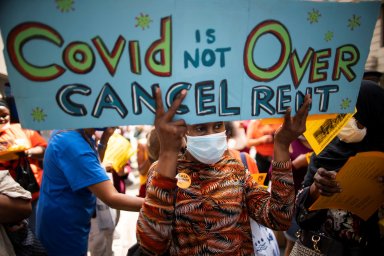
x=4 y=103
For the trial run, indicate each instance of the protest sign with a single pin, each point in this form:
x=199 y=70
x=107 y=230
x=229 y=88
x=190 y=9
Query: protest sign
x=93 y=63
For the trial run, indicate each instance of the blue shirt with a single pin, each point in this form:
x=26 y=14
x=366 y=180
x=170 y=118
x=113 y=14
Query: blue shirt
x=66 y=205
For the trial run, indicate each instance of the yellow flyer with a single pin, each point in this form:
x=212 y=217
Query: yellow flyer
x=118 y=151
x=259 y=178
x=362 y=193
x=320 y=132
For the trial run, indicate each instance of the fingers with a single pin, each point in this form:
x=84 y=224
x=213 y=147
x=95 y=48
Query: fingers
x=302 y=113
x=168 y=116
x=326 y=183
x=159 y=102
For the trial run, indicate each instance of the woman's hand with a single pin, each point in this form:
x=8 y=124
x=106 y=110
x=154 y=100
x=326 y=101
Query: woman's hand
x=324 y=183
x=170 y=134
x=293 y=127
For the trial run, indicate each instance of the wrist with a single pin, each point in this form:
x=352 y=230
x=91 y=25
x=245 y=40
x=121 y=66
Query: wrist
x=28 y=153
x=282 y=165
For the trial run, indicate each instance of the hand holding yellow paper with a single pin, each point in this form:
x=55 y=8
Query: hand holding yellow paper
x=118 y=151
x=362 y=193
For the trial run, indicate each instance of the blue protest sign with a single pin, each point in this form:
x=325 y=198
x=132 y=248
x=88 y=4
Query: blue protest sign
x=94 y=63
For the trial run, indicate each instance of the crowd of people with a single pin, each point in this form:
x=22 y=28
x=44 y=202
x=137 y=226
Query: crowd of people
x=197 y=195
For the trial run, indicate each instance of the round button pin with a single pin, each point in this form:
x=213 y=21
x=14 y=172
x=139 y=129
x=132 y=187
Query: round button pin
x=183 y=180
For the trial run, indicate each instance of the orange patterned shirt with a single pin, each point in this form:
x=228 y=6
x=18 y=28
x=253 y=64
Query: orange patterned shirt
x=211 y=216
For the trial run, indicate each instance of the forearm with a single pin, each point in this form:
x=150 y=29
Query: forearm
x=281 y=152
x=107 y=193
x=154 y=226
x=125 y=202
x=14 y=209
x=35 y=152
x=166 y=165
x=253 y=142
x=274 y=209
x=282 y=202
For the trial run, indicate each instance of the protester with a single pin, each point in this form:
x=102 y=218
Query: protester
x=206 y=210
x=16 y=238
x=351 y=234
x=260 y=136
x=15 y=205
x=147 y=154
x=27 y=143
x=72 y=180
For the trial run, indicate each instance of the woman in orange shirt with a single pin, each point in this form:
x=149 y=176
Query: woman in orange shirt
x=14 y=136
x=261 y=136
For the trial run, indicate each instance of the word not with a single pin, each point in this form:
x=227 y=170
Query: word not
x=208 y=56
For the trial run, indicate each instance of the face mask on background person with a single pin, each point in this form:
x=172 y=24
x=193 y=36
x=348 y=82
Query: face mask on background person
x=350 y=133
x=207 y=149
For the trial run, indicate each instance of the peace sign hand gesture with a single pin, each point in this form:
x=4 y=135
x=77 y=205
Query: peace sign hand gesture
x=170 y=133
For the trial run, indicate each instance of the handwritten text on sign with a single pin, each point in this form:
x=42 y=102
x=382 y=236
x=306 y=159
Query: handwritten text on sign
x=238 y=59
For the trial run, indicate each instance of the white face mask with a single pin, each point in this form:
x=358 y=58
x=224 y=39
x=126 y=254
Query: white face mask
x=207 y=149
x=350 y=133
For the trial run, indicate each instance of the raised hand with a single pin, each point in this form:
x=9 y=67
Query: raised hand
x=170 y=133
x=293 y=127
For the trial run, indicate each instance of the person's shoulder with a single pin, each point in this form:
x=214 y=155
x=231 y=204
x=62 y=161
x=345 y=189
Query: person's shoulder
x=65 y=136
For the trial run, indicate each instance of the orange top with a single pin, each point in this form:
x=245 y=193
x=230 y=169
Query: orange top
x=15 y=134
x=256 y=129
x=252 y=166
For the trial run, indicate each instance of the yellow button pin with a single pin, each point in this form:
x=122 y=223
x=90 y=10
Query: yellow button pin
x=183 y=180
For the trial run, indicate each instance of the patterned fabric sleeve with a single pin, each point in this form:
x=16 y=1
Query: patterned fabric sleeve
x=156 y=215
x=274 y=210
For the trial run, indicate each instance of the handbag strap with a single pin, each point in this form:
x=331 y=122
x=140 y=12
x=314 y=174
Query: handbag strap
x=244 y=159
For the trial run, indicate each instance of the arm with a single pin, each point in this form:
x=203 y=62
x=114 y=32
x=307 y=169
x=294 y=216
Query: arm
x=38 y=143
x=253 y=140
x=102 y=145
x=107 y=193
x=276 y=210
x=14 y=209
x=154 y=226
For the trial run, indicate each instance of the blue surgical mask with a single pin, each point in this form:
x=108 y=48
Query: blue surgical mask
x=207 y=149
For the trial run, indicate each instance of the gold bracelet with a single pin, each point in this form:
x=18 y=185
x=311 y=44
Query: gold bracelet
x=282 y=165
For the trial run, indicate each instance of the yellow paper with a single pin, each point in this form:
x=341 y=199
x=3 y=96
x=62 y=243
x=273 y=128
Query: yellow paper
x=259 y=177
x=320 y=132
x=280 y=120
x=362 y=193
x=118 y=151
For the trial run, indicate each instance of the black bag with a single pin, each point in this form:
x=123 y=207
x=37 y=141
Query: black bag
x=24 y=242
x=25 y=176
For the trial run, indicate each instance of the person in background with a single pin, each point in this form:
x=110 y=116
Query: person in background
x=73 y=178
x=373 y=75
x=363 y=133
x=261 y=136
x=31 y=144
x=147 y=154
x=199 y=202
x=231 y=131
x=15 y=205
